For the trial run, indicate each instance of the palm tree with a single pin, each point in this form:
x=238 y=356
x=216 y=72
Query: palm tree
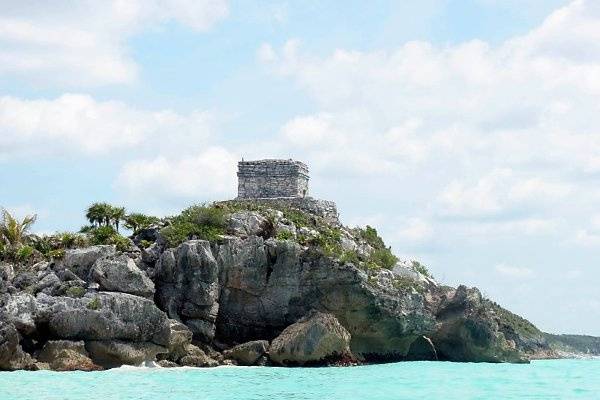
x=14 y=233
x=116 y=215
x=96 y=213
x=138 y=221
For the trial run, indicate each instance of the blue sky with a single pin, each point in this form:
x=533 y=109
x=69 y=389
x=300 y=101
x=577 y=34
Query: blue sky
x=465 y=131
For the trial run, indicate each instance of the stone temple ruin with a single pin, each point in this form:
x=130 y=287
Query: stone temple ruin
x=283 y=183
x=272 y=179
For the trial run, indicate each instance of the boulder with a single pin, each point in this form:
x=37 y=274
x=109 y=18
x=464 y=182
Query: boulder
x=195 y=357
x=167 y=364
x=103 y=316
x=115 y=353
x=248 y=223
x=248 y=353
x=121 y=274
x=317 y=338
x=80 y=261
x=66 y=355
x=12 y=356
x=179 y=338
x=20 y=310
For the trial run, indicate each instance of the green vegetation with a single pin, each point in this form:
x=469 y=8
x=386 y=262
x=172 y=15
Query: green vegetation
x=139 y=221
x=370 y=235
x=285 y=235
x=381 y=256
x=420 y=268
x=406 y=284
x=108 y=235
x=15 y=236
x=200 y=221
x=94 y=304
x=75 y=291
x=513 y=322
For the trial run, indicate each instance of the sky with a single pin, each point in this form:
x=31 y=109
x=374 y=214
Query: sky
x=465 y=131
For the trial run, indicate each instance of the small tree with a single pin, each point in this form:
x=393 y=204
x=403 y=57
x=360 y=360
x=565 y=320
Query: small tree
x=116 y=215
x=14 y=233
x=139 y=221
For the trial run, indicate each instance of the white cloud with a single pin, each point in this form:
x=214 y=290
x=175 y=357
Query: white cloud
x=80 y=124
x=413 y=230
x=209 y=175
x=503 y=135
x=513 y=271
x=500 y=191
x=84 y=43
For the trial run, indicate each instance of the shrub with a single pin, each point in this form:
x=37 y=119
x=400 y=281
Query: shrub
x=108 y=235
x=199 y=221
x=75 y=291
x=420 y=268
x=94 y=304
x=350 y=256
x=144 y=244
x=56 y=254
x=23 y=253
x=284 y=235
x=370 y=235
x=406 y=284
x=383 y=257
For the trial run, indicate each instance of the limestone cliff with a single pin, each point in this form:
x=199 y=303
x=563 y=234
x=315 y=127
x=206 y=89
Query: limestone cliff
x=279 y=278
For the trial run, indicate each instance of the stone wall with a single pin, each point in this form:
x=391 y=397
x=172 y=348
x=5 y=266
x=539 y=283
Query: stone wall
x=272 y=179
x=322 y=208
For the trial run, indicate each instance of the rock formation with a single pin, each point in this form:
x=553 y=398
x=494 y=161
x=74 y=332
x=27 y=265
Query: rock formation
x=286 y=284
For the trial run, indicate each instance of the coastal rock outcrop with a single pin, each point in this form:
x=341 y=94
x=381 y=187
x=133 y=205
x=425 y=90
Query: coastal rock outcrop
x=316 y=339
x=248 y=353
x=66 y=355
x=272 y=283
x=120 y=274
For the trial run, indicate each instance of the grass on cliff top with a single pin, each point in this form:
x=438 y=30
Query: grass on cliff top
x=514 y=322
x=202 y=221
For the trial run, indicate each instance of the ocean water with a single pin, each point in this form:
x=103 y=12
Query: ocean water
x=558 y=379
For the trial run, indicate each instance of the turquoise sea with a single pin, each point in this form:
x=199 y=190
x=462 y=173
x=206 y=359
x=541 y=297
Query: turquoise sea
x=558 y=379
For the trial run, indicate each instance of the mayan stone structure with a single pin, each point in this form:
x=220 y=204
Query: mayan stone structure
x=268 y=179
x=281 y=184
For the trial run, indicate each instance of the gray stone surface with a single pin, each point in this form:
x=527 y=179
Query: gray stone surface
x=272 y=178
x=120 y=274
x=316 y=338
x=114 y=353
x=248 y=353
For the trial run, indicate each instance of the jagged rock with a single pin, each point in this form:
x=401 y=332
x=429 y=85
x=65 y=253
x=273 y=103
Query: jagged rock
x=167 y=364
x=188 y=287
x=268 y=285
x=48 y=283
x=317 y=338
x=20 y=310
x=468 y=331
x=179 y=338
x=12 y=356
x=248 y=353
x=114 y=353
x=80 y=261
x=66 y=355
x=121 y=274
x=7 y=272
x=248 y=223
x=104 y=316
x=195 y=357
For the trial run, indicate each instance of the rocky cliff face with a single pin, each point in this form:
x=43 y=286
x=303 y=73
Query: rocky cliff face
x=305 y=289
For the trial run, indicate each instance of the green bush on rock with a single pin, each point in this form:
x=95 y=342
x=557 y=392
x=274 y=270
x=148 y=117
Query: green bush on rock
x=200 y=221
